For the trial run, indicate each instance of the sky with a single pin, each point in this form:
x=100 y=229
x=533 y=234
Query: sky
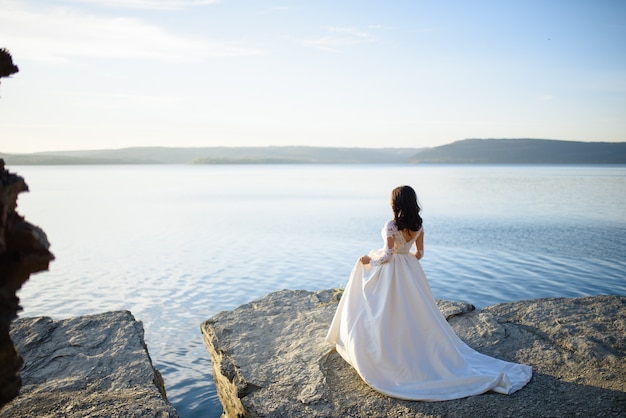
x=107 y=74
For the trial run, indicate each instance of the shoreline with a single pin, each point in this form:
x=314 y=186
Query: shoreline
x=269 y=358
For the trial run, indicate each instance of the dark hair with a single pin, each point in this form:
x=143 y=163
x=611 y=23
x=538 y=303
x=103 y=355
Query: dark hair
x=406 y=210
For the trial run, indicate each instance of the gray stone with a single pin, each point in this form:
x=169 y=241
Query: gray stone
x=270 y=359
x=89 y=366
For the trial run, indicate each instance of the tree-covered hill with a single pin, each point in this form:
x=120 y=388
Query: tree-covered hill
x=524 y=151
x=469 y=151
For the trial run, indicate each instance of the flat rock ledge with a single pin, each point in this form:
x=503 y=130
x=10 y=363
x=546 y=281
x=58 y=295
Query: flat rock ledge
x=270 y=359
x=88 y=366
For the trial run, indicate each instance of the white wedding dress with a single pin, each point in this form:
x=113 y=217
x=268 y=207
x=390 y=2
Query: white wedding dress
x=389 y=328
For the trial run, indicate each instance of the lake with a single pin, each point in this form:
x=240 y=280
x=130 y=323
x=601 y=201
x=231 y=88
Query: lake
x=175 y=244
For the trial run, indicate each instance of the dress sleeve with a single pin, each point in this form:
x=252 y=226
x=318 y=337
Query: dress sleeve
x=384 y=254
x=389 y=229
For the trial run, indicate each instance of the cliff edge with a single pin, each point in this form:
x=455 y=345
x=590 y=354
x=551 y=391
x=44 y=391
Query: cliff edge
x=270 y=359
x=88 y=366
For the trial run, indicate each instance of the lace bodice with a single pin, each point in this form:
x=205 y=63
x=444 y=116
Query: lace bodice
x=401 y=245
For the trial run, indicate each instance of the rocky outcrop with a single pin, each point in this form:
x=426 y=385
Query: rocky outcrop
x=270 y=359
x=89 y=366
x=23 y=251
x=7 y=68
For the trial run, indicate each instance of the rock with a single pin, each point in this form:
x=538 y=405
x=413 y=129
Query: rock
x=96 y=365
x=7 y=67
x=270 y=359
x=23 y=251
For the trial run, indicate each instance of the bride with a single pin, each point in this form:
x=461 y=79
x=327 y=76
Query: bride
x=389 y=328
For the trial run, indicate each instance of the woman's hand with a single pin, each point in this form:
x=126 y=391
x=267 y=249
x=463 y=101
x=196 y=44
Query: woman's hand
x=365 y=259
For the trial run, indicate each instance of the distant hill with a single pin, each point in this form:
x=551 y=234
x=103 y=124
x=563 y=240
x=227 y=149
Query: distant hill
x=469 y=151
x=219 y=155
x=524 y=151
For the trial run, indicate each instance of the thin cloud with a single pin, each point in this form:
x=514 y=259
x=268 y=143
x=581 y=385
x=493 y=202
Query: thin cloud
x=422 y=30
x=148 y=4
x=354 y=32
x=276 y=9
x=379 y=26
x=60 y=35
x=338 y=38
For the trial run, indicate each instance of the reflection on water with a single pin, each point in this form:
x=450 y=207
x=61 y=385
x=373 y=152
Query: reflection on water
x=177 y=244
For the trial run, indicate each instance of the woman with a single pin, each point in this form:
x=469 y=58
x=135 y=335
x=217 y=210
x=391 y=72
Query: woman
x=389 y=328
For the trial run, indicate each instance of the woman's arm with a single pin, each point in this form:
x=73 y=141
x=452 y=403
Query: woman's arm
x=419 y=246
x=386 y=256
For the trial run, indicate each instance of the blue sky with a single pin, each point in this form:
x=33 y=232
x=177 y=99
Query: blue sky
x=121 y=73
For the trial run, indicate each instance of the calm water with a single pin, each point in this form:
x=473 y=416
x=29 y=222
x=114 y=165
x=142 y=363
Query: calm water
x=177 y=244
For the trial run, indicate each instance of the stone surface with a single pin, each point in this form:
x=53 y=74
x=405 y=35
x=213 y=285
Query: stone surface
x=89 y=366
x=23 y=251
x=270 y=359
